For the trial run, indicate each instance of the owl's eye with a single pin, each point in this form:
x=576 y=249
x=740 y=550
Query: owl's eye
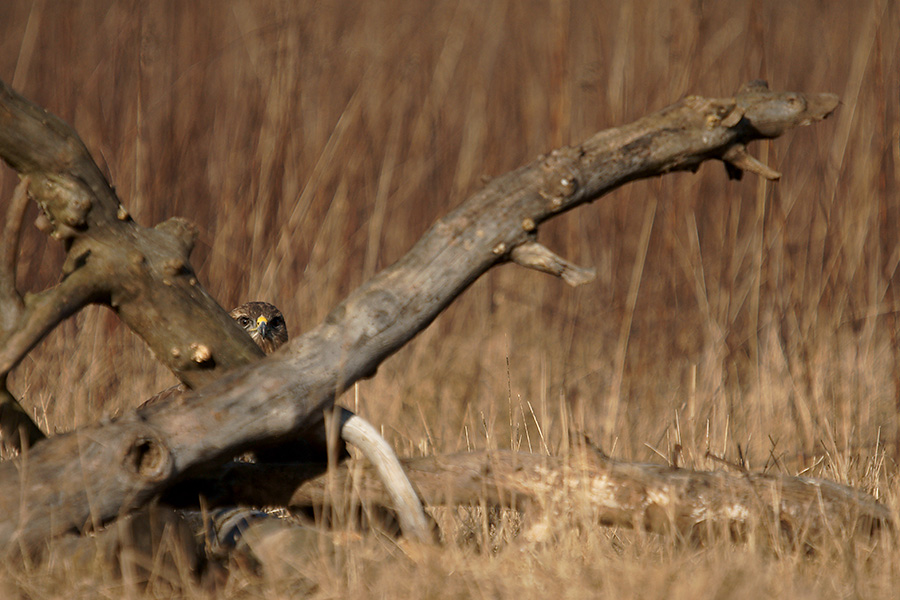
x=244 y=321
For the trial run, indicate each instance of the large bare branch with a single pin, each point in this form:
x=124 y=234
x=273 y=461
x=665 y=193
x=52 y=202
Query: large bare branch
x=283 y=396
x=141 y=273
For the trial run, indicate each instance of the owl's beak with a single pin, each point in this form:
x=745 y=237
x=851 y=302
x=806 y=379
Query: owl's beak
x=262 y=327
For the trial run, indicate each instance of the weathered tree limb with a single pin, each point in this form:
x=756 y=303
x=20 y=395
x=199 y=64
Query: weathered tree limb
x=283 y=396
x=46 y=309
x=657 y=498
x=98 y=234
x=693 y=505
x=143 y=274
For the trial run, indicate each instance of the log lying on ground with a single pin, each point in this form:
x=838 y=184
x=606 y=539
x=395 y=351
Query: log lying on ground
x=123 y=464
x=142 y=274
x=657 y=498
x=692 y=505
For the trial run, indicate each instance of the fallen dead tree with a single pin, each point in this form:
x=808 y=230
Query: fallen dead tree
x=696 y=506
x=238 y=402
x=656 y=498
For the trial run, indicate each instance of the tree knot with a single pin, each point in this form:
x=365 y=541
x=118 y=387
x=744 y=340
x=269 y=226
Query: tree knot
x=182 y=232
x=147 y=457
x=64 y=203
x=560 y=175
x=201 y=354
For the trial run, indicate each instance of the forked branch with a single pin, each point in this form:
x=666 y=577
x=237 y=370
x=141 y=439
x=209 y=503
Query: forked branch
x=143 y=274
x=284 y=395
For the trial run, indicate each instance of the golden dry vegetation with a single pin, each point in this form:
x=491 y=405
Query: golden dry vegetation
x=313 y=142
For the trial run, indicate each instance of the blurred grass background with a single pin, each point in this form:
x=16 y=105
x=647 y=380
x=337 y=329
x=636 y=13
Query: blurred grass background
x=313 y=142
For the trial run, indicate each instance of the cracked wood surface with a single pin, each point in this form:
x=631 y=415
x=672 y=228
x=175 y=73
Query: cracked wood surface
x=657 y=498
x=139 y=271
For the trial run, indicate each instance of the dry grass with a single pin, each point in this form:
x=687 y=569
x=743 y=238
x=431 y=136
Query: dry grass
x=312 y=143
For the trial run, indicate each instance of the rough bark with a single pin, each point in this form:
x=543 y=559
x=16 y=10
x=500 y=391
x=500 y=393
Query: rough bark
x=139 y=271
x=143 y=274
x=657 y=498
x=55 y=169
x=697 y=506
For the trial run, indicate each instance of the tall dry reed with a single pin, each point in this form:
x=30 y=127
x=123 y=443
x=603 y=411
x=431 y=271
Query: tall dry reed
x=313 y=143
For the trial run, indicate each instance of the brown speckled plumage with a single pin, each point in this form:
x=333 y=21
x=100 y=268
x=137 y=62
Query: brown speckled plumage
x=265 y=324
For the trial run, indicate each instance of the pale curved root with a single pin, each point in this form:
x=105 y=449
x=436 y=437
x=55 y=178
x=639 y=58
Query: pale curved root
x=359 y=432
